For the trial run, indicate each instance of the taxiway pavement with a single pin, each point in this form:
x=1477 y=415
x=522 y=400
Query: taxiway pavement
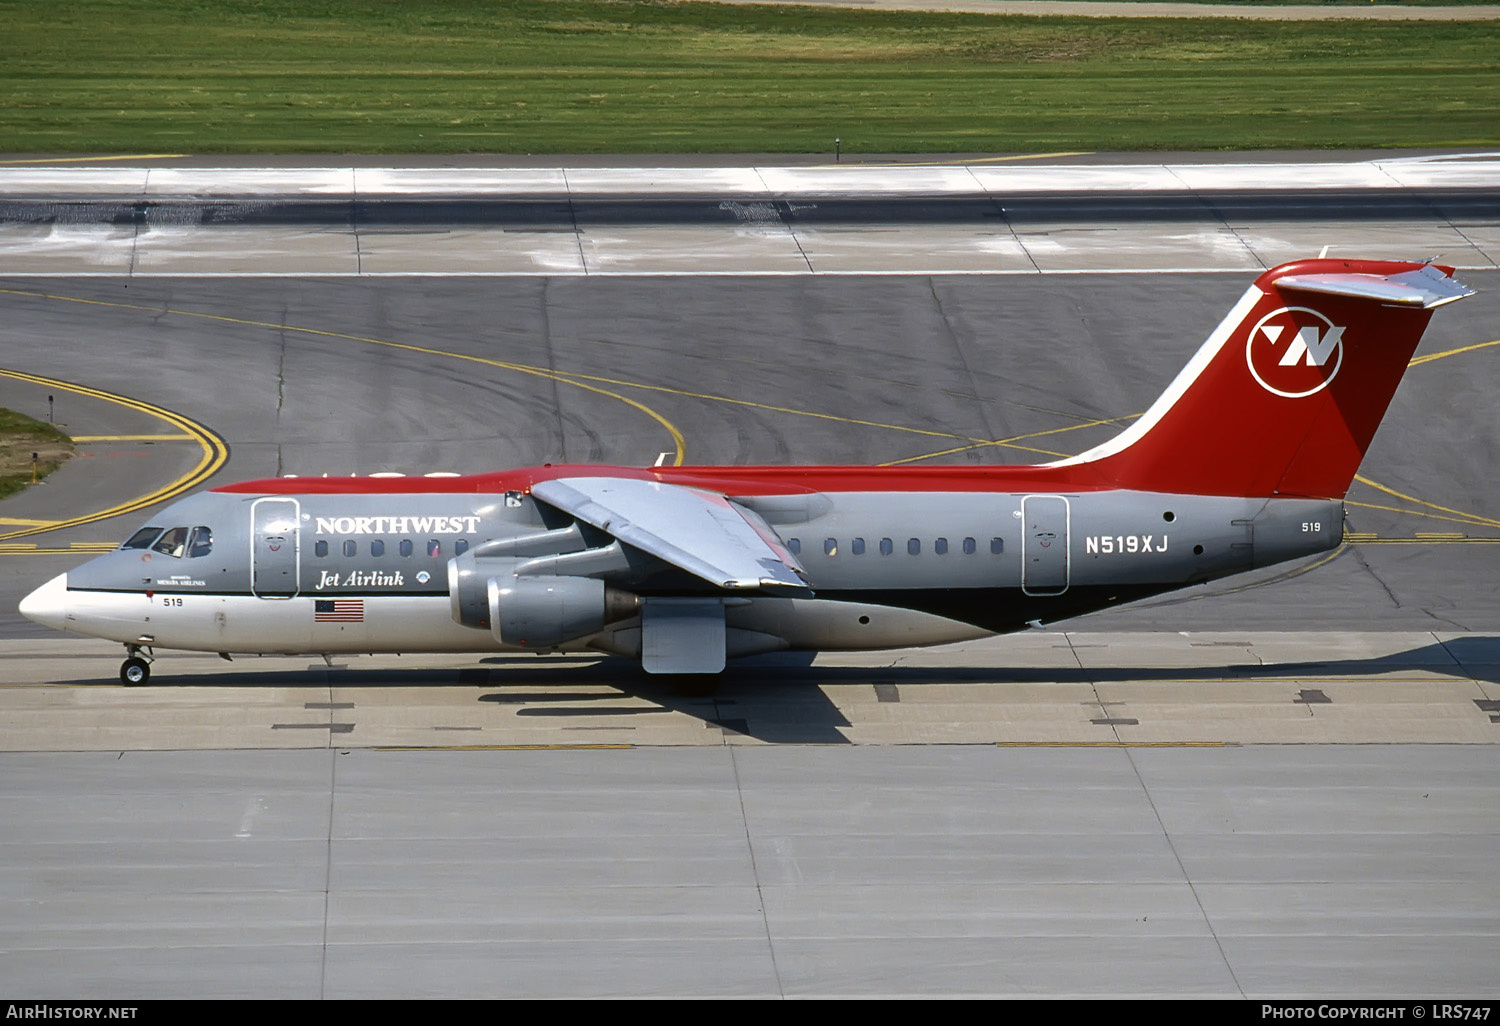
x=1264 y=872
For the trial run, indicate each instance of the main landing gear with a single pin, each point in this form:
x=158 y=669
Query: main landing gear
x=136 y=670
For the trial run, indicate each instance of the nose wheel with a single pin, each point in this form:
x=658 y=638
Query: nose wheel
x=135 y=670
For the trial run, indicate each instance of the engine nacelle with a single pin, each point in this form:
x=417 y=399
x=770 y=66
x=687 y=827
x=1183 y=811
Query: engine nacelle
x=468 y=594
x=544 y=612
x=542 y=557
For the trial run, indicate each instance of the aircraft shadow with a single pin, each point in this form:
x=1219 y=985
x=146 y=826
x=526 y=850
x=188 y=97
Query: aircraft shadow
x=777 y=699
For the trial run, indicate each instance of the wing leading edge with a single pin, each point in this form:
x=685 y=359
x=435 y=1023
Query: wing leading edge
x=703 y=533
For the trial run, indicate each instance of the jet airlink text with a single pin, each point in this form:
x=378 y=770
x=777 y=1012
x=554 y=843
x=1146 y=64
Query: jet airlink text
x=397 y=525
x=360 y=579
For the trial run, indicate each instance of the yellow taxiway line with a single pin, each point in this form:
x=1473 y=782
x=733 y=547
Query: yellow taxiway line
x=1116 y=744
x=499 y=748
x=215 y=453
x=577 y=381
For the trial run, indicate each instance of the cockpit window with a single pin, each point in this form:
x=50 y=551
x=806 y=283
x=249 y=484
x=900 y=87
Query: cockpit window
x=142 y=539
x=202 y=543
x=173 y=542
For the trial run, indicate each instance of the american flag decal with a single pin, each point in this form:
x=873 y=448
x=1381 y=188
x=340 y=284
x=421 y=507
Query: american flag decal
x=339 y=611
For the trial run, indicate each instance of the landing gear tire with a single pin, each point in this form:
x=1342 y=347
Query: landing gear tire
x=135 y=671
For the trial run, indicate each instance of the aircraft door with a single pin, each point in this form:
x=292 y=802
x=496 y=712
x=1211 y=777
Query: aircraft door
x=1044 y=545
x=274 y=555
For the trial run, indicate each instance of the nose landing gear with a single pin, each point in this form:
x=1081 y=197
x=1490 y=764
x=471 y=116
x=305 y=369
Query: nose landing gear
x=136 y=670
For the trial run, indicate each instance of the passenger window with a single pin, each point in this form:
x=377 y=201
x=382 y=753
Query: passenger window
x=940 y=546
x=202 y=543
x=886 y=548
x=913 y=546
x=461 y=546
x=320 y=549
x=406 y=546
x=377 y=547
x=173 y=542
x=830 y=546
x=350 y=548
x=434 y=548
x=142 y=539
x=857 y=547
x=970 y=547
x=794 y=546
x=997 y=546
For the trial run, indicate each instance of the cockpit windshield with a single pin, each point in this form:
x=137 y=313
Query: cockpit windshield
x=202 y=543
x=173 y=541
x=142 y=539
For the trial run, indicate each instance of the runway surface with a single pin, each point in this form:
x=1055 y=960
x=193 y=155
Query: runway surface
x=971 y=216
x=1279 y=785
x=794 y=870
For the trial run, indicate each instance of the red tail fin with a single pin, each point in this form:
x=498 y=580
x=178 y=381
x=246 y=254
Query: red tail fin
x=1287 y=392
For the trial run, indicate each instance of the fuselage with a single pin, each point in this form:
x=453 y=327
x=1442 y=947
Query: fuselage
x=341 y=565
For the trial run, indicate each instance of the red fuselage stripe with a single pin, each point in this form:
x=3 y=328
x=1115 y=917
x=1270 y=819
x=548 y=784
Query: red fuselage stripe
x=724 y=480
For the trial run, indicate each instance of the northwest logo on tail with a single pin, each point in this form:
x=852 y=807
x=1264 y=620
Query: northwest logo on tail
x=1295 y=352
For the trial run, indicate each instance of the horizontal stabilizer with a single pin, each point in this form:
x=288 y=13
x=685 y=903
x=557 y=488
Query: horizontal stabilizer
x=700 y=532
x=1425 y=287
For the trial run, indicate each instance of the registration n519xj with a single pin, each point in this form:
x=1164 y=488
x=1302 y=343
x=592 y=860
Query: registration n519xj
x=1127 y=544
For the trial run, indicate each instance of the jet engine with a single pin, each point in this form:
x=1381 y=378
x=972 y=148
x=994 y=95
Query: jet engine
x=527 y=600
x=544 y=612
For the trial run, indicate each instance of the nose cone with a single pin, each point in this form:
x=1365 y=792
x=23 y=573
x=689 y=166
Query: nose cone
x=48 y=605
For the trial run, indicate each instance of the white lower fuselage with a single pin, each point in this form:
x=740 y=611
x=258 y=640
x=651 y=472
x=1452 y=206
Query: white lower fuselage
x=412 y=624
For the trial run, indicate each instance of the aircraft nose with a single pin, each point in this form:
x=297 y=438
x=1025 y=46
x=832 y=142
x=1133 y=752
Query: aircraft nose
x=48 y=605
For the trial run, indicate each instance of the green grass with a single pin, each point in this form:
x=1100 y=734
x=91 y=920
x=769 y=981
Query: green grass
x=382 y=76
x=20 y=436
x=1320 y=3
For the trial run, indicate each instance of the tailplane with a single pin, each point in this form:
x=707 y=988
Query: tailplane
x=1284 y=397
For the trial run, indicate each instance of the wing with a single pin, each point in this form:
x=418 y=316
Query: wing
x=703 y=533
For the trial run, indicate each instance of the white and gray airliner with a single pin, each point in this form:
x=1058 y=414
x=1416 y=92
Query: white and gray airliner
x=1243 y=462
